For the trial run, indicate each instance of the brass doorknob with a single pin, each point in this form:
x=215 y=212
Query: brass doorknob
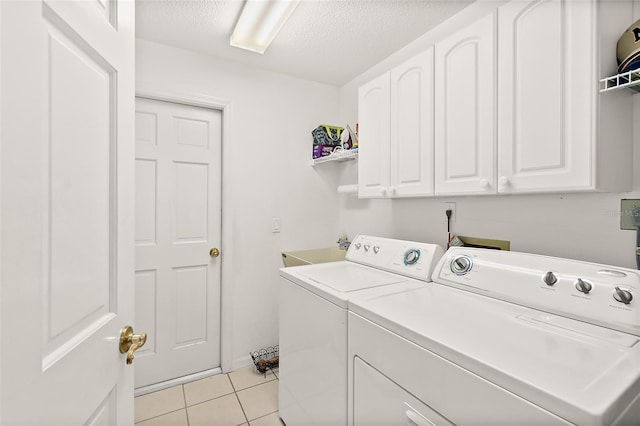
x=130 y=342
x=214 y=252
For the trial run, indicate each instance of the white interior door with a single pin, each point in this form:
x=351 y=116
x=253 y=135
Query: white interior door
x=178 y=221
x=67 y=171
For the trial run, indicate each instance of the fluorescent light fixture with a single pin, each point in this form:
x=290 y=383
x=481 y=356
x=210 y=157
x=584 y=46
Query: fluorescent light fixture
x=259 y=23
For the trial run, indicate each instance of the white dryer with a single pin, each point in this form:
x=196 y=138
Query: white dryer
x=500 y=338
x=313 y=321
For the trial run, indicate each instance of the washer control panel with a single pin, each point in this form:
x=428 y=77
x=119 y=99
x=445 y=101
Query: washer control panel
x=599 y=294
x=410 y=258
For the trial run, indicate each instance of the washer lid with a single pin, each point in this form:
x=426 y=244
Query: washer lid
x=349 y=276
x=576 y=370
x=340 y=282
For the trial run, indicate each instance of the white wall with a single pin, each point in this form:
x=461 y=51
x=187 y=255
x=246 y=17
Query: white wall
x=578 y=226
x=266 y=175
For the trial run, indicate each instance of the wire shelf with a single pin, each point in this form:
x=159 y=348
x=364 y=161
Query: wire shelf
x=625 y=80
x=337 y=155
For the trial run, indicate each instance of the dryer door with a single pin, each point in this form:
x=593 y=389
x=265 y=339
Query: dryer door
x=378 y=400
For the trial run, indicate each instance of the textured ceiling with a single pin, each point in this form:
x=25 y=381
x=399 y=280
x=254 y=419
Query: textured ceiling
x=329 y=41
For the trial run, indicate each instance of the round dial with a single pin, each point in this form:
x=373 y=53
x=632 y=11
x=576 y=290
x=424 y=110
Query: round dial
x=550 y=278
x=583 y=286
x=622 y=295
x=411 y=256
x=461 y=265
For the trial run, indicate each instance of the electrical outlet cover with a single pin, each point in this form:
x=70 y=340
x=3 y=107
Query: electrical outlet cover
x=626 y=213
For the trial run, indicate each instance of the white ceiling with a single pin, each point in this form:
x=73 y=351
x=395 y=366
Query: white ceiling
x=329 y=41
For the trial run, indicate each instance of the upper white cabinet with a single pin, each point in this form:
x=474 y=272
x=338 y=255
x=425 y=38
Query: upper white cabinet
x=553 y=133
x=465 y=76
x=516 y=107
x=373 y=138
x=396 y=131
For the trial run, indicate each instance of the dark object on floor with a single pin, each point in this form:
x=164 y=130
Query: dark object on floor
x=263 y=364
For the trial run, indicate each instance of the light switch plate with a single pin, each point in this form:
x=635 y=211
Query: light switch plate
x=627 y=206
x=275 y=225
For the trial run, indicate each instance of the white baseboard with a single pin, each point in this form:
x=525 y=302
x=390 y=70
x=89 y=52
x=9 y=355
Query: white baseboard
x=236 y=364
x=179 y=381
x=241 y=362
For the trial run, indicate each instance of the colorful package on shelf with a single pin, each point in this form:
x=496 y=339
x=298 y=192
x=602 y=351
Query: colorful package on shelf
x=323 y=150
x=325 y=139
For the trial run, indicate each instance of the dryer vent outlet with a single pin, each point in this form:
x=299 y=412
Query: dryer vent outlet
x=628 y=212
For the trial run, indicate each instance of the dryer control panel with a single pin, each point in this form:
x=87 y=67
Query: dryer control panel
x=599 y=294
x=410 y=258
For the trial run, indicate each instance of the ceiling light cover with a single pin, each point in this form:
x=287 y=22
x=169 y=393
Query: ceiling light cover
x=260 y=22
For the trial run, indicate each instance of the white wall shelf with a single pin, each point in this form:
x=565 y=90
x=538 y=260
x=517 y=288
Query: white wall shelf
x=625 y=80
x=348 y=189
x=337 y=155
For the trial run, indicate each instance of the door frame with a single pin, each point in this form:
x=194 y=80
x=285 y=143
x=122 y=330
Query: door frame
x=224 y=106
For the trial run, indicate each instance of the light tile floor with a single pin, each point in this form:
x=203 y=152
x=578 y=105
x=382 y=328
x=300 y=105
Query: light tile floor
x=242 y=397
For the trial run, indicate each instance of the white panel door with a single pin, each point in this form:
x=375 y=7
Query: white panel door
x=544 y=62
x=66 y=211
x=465 y=79
x=373 y=140
x=178 y=220
x=412 y=131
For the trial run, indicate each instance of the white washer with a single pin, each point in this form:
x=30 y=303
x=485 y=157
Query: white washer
x=313 y=321
x=500 y=338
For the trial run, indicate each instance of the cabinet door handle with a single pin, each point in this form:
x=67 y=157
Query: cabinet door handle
x=484 y=184
x=503 y=181
x=415 y=418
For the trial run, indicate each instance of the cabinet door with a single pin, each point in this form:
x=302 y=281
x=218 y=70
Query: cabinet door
x=412 y=127
x=465 y=78
x=373 y=138
x=545 y=63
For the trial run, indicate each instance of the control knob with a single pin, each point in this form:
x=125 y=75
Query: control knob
x=411 y=256
x=550 y=278
x=583 y=286
x=461 y=265
x=622 y=295
x=376 y=249
x=367 y=247
x=358 y=245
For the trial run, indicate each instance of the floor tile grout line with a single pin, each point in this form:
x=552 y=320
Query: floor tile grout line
x=265 y=415
x=160 y=415
x=256 y=385
x=231 y=381
x=249 y=421
x=235 y=392
x=241 y=407
x=207 y=400
x=184 y=397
